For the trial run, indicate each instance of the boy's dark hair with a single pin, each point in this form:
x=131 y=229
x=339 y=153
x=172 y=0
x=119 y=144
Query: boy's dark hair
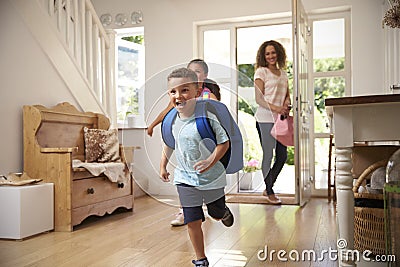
x=183 y=73
x=200 y=62
x=214 y=88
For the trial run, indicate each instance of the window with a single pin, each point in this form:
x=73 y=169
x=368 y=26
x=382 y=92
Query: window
x=331 y=78
x=329 y=66
x=131 y=77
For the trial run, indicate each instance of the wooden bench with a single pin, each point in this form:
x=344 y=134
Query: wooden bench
x=53 y=138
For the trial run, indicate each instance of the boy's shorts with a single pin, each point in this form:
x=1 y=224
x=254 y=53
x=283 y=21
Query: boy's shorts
x=192 y=200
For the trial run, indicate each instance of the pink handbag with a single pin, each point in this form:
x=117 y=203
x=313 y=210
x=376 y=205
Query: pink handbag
x=283 y=131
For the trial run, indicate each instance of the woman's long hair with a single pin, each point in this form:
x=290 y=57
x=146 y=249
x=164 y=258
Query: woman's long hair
x=280 y=51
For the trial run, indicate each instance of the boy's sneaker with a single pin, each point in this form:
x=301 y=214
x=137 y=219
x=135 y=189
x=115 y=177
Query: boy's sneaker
x=200 y=263
x=179 y=220
x=228 y=219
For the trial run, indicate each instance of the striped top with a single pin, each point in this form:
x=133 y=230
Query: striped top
x=275 y=90
x=206 y=93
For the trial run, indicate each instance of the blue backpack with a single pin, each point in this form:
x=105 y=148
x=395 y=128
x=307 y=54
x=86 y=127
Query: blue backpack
x=233 y=158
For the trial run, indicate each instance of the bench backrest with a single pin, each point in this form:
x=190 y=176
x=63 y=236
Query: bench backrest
x=57 y=127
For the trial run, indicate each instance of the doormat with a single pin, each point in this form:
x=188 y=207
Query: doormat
x=258 y=199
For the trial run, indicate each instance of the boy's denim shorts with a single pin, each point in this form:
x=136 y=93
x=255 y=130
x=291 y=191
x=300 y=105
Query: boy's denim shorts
x=192 y=200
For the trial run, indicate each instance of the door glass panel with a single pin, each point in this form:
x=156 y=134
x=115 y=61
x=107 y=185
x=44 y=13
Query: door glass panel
x=328 y=45
x=325 y=88
x=217 y=45
x=328 y=57
x=321 y=163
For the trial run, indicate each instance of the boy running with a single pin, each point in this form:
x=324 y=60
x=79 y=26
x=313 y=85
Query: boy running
x=199 y=175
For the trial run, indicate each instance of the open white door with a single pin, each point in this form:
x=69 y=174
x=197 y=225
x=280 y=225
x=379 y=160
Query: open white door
x=302 y=103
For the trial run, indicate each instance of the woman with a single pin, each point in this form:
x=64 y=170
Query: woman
x=273 y=99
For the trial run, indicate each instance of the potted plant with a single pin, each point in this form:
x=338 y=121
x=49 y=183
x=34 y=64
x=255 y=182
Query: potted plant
x=246 y=178
x=132 y=107
x=130 y=118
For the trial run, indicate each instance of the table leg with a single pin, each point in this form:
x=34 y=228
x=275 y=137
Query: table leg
x=345 y=206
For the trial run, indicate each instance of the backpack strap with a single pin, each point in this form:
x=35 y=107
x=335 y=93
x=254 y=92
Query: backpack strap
x=202 y=122
x=205 y=130
x=166 y=128
x=233 y=158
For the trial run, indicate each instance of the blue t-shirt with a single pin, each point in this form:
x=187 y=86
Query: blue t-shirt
x=189 y=149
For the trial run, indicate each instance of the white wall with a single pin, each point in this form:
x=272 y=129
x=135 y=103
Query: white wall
x=367 y=47
x=169 y=39
x=27 y=78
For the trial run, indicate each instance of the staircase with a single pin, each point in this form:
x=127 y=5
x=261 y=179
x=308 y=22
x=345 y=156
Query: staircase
x=82 y=51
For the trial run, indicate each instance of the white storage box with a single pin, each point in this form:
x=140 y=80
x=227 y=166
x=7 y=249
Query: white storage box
x=26 y=210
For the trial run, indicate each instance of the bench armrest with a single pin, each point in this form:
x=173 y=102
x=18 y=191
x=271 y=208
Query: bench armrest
x=58 y=149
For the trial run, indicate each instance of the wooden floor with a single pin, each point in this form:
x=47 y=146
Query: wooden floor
x=145 y=238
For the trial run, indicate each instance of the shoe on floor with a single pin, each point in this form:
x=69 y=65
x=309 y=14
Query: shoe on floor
x=179 y=220
x=228 y=219
x=274 y=199
x=200 y=263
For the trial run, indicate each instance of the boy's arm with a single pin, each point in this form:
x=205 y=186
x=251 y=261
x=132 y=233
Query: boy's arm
x=219 y=151
x=159 y=119
x=166 y=154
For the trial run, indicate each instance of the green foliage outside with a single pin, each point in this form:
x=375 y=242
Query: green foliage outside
x=290 y=156
x=137 y=39
x=327 y=87
x=246 y=74
x=328 y=64
x=244 y=106
x=132 y=102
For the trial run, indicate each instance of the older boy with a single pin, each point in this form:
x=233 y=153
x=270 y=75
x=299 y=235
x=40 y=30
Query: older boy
x=199 y=175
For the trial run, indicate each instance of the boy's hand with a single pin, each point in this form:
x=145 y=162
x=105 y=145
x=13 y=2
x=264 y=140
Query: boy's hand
x=164 y=175
x=150 y=131
x=219 y=151
x=202 y=165
x=166 y=154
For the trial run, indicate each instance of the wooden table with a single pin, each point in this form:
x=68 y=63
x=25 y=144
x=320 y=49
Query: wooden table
x=367 y=120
